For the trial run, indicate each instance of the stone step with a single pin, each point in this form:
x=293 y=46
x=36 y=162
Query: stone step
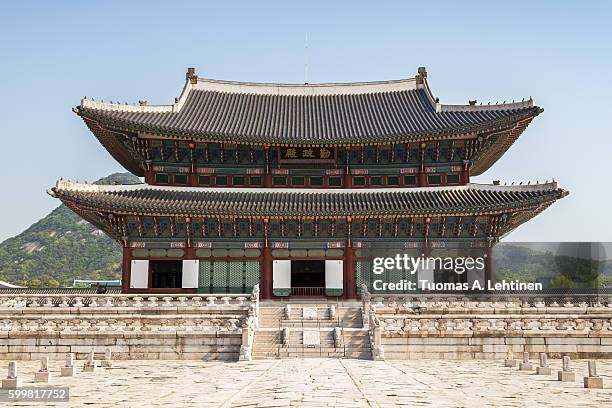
x=362 y=355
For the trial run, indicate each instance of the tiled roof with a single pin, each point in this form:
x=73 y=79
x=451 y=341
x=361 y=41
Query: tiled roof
x=307 y=114
x=145 y=199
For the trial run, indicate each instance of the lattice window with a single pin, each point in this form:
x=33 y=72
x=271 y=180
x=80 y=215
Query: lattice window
x=395 y=275
x=235 y=277
x=364 y=274
x=251 y=270
x=204 y=278
x=219 y=277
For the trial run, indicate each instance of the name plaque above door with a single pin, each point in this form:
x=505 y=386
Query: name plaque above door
x=306 y=155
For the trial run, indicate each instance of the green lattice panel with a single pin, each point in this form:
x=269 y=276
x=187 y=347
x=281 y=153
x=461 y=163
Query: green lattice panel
x=219 y=277
x=204 y=276
x=235 y=277
x=364 y=272
x=251 y=269
x=395 y=275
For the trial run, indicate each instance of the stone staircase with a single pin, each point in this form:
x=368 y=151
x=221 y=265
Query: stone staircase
x=338 y=326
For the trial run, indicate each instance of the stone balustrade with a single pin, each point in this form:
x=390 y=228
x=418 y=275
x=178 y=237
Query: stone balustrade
x=66 y=303
x=443 y=326
x=160 y=326
x=492 y=304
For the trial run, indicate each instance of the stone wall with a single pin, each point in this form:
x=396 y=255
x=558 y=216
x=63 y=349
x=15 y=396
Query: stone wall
x=134 y=327
x=466 y=328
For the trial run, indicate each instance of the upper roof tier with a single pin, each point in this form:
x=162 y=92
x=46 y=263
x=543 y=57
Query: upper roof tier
x=364 y=112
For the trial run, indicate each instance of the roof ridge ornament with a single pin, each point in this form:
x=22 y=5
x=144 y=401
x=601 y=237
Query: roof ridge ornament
x=421 y=75
x=191 y=75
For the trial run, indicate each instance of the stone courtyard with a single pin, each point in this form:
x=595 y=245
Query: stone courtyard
x=321 y=382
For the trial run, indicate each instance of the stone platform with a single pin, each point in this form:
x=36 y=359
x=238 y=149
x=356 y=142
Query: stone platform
x=322 y=382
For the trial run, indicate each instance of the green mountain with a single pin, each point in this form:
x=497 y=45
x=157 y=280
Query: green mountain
x=62 y=247
x=514 y=261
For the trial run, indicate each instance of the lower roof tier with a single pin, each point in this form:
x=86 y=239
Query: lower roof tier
x=142 y=199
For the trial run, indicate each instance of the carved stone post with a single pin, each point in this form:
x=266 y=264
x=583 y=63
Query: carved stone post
x=566 y=374
x=69 y=369
x=593 y=380
x=43 y=375
x=12 y=381
x=543 y=369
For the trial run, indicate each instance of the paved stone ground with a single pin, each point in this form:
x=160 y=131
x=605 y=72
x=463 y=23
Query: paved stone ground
x=322 y=382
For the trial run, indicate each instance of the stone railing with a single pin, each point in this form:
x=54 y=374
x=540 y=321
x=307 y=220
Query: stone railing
x=248 y=328
x=124 y=313
x=160 y=326
x=504 y=304
x=338 y=337
x=378 y=352
x=125 y=303
x=255 y=305
x=365 y=306
x=442 y=326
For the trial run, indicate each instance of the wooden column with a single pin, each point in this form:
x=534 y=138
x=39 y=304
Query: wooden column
x=426 y=250
x=349 y=266
x=348 y=180
x=426 y=247
x=350 y=291
x=421 y=179
x=126 y=266
x=193 y=177
x=149 y=173
x=489 y=272
x=266 y=273
x=267 y=179
x=465 y=173
x=189 y=250
x=266 y=266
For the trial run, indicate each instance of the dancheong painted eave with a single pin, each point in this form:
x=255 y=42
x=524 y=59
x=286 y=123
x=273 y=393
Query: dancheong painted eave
x=143 y=199
x=307 y=114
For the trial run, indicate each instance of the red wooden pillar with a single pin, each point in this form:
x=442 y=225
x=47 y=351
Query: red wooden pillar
x=426 y=250
x=189 y=250
x=489 y=272
x=266 y=266
x=266 y=273
x=426 y=247
x=421 y=179
x=126 y=266
x=348 y=180
x=193 y=177
x=465 y=173
x=349 y=273
x=149 y=173
x=348 y=270
x=267 y=179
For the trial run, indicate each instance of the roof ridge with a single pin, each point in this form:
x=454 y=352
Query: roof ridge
x=67 y=185
x=306 y=89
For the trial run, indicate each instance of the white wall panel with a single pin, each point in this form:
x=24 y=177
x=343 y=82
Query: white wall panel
x=191 y=270
x=281 y=274
x=334 y=274
x=139 y=274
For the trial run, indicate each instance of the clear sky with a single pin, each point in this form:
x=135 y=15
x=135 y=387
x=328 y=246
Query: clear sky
x=54 y=53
